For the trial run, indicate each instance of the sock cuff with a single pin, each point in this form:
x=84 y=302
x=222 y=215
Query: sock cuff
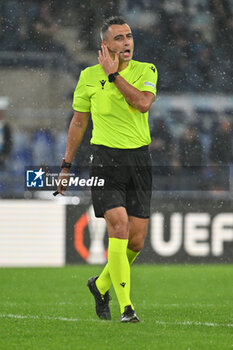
x=131 y=255
x=117 y=245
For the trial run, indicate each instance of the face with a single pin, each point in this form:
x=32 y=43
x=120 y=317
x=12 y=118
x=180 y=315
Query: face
x=225 y=126
x=191 y=133
x=119 y=38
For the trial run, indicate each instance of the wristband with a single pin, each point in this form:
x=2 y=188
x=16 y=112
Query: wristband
x=65 y=164
x=112 y=77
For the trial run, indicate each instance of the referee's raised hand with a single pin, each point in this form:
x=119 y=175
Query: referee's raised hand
x=108 y=62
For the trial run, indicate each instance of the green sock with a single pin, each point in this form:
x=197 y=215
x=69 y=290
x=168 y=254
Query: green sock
x=119 y=270
x=103 y=283
x=131 y=255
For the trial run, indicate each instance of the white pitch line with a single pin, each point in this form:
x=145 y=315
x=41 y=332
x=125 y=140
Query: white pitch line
x=66 y=319
x=40 y=317
x=195 y=323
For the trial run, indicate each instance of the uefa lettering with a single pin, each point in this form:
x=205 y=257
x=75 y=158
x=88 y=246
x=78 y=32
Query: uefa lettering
x=197 y=234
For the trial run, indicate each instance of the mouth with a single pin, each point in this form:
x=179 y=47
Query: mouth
x=126 y=52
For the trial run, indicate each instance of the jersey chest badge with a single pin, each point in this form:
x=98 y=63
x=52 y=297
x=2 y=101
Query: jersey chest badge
x=102 y=82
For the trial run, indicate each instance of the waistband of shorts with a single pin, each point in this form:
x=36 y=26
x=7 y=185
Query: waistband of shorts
x=143 y=148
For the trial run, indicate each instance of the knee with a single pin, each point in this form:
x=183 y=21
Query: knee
x=119 y=229
x=117 y=223
x=136 y=244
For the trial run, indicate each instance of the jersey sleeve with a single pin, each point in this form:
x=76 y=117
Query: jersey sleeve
x=149 y=79
x=81 y=100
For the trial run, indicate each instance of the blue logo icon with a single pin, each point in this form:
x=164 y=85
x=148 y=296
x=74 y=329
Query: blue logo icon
x=35 y=178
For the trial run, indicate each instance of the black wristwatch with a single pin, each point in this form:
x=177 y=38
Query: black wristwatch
x=65 y=164
x=112 y=77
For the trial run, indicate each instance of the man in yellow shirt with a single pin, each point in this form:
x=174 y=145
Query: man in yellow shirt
x=118 y=92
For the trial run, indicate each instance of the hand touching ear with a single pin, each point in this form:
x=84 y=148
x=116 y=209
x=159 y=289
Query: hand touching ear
x=109 y=64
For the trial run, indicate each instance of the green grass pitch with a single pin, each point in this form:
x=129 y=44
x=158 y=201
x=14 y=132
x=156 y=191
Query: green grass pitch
x=181 y=307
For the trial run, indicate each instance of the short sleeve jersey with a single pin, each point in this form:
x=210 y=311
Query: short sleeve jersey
x=116 y=123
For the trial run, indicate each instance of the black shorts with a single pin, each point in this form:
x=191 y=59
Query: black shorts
x=127 y=180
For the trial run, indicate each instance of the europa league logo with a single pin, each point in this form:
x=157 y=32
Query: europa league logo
x=97 y=228
x=96 y=254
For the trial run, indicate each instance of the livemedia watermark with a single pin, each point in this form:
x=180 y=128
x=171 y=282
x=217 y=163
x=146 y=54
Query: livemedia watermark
x=162 y=178
x=47 y=179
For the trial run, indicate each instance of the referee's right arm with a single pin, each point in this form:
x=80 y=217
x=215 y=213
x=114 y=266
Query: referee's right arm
x=76 y=131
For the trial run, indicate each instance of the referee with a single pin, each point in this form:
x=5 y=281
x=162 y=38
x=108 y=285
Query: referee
x=118 y=92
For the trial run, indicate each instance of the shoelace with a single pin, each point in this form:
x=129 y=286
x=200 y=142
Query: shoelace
x=106 y=298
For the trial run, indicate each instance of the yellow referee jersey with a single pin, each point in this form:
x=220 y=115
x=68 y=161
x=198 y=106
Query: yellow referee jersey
x=116 y=124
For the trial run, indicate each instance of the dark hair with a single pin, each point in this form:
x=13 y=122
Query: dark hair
x=109 y=22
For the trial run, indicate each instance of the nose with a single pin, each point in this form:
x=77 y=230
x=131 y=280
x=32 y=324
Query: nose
x=126 y=41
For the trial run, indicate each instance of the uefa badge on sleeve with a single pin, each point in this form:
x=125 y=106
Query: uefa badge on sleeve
x=35 y=178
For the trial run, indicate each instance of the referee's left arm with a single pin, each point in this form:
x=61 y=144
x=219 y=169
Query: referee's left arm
x=142 y=100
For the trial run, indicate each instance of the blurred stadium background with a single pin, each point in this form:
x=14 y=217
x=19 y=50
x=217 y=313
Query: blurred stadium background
x=43 y=47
